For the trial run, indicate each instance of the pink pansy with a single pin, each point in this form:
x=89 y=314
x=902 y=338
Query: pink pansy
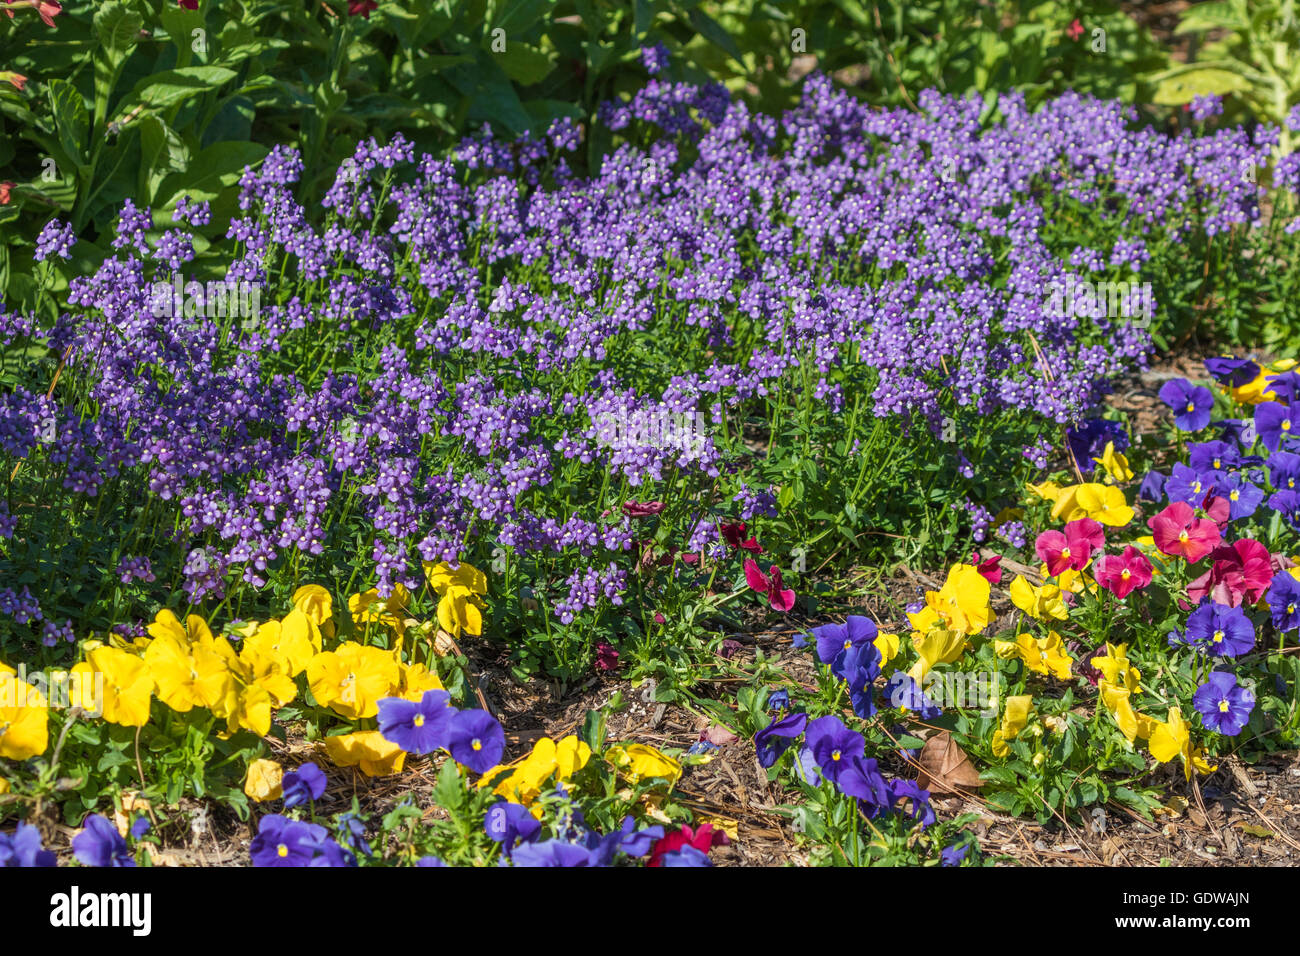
x=989 y=568
x=1177 y=531
x=1070 y=549
x=1240 y=571
x=780 y=598
x=1123 y=573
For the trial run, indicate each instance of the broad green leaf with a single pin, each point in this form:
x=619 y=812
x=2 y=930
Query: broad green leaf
x=71 y=121
x=172 y=87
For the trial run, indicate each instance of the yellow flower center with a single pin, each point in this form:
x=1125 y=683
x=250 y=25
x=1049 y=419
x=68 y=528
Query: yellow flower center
x=1234 y=494
x=1286 y=425
x=835 y=755
x=476 y=744
x=282 y=851
x=1218 y=637
x=1196 y=486
x=1217 y=464
x=1126 y=574
x=848 y=644
x=1223 y=706
x=1290 y=608
x=1182 y=536
x=1065 y=552
x=418 y=720
x=1191 y=406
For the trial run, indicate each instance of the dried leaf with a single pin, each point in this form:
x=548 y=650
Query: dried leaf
x=1255 y=830
x=945 y=766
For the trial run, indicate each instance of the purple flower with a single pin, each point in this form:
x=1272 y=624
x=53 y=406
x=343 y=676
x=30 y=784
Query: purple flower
x=429 y=861
x=1187 y=486
x=1231 y=371
x=511 y=823
x=23 y=848
x=1275 y=422
x=284 y=842
x=834 y=641
x=685 y=856
x=475 y=739
x=953 y=854
x=904 y=692
x=776 y=738
x=551 y=853
x=1223 y=705
x=1191 y=403
x=834 y=746
x=418 y=727
x=1217 y=629
x=1152 y=487
x=305 y=783
x=1284 y=601
x=99 y=844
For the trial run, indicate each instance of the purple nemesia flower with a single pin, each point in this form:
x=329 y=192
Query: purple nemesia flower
x=56 y=239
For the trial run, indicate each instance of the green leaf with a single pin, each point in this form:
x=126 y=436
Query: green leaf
x=1177 y=90
x=71 y=121
x=172 y=87
x=118 y=28
x=525 y=65
x=211 y=171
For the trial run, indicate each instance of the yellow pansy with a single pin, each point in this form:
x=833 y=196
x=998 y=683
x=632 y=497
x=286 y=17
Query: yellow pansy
x=1042 y=655
x=368 y=607
x=264 y=780
x=316 y=602
x=124 y=681
x=524 y=783
x=1173 y=738
x=24 y=718
x=459 y=608
x=938 y=645
x=1048 y=490
x=368 y=750
x=1014 y=719
x=639 y=762
x=1104 y=504
x=414 y=680
x=1040 y=603
x=887 y=645
x=1116 y=465
x=962 y=604
x=1116 y=669
x=294 y=641
x=353 y=678
x=192 y=674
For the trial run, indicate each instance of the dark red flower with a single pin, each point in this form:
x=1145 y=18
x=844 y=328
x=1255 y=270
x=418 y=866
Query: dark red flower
x=606 y=656
x=1240 y=571
x=770 y=584
x=734 y=535
x=642 y=509
x=189 y=4
x=362 y=7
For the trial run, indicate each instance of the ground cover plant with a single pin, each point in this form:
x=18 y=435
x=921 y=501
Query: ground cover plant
x=276 y=471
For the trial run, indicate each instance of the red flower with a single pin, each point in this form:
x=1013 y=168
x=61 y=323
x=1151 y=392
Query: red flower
x=703 y=839
x=642 y=509
x=362 y=7
x=1218 y=510
x=1241 y=570
x=606 y=656
x=189 y=4
x=990 y=568
x=1062 y=551
x=17 y=79
x=1074 y=30
x=1179 y=532
x=47 y=9
x=4 y=192
x=1124 y=573
x=780 y=599
x=734 y=534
